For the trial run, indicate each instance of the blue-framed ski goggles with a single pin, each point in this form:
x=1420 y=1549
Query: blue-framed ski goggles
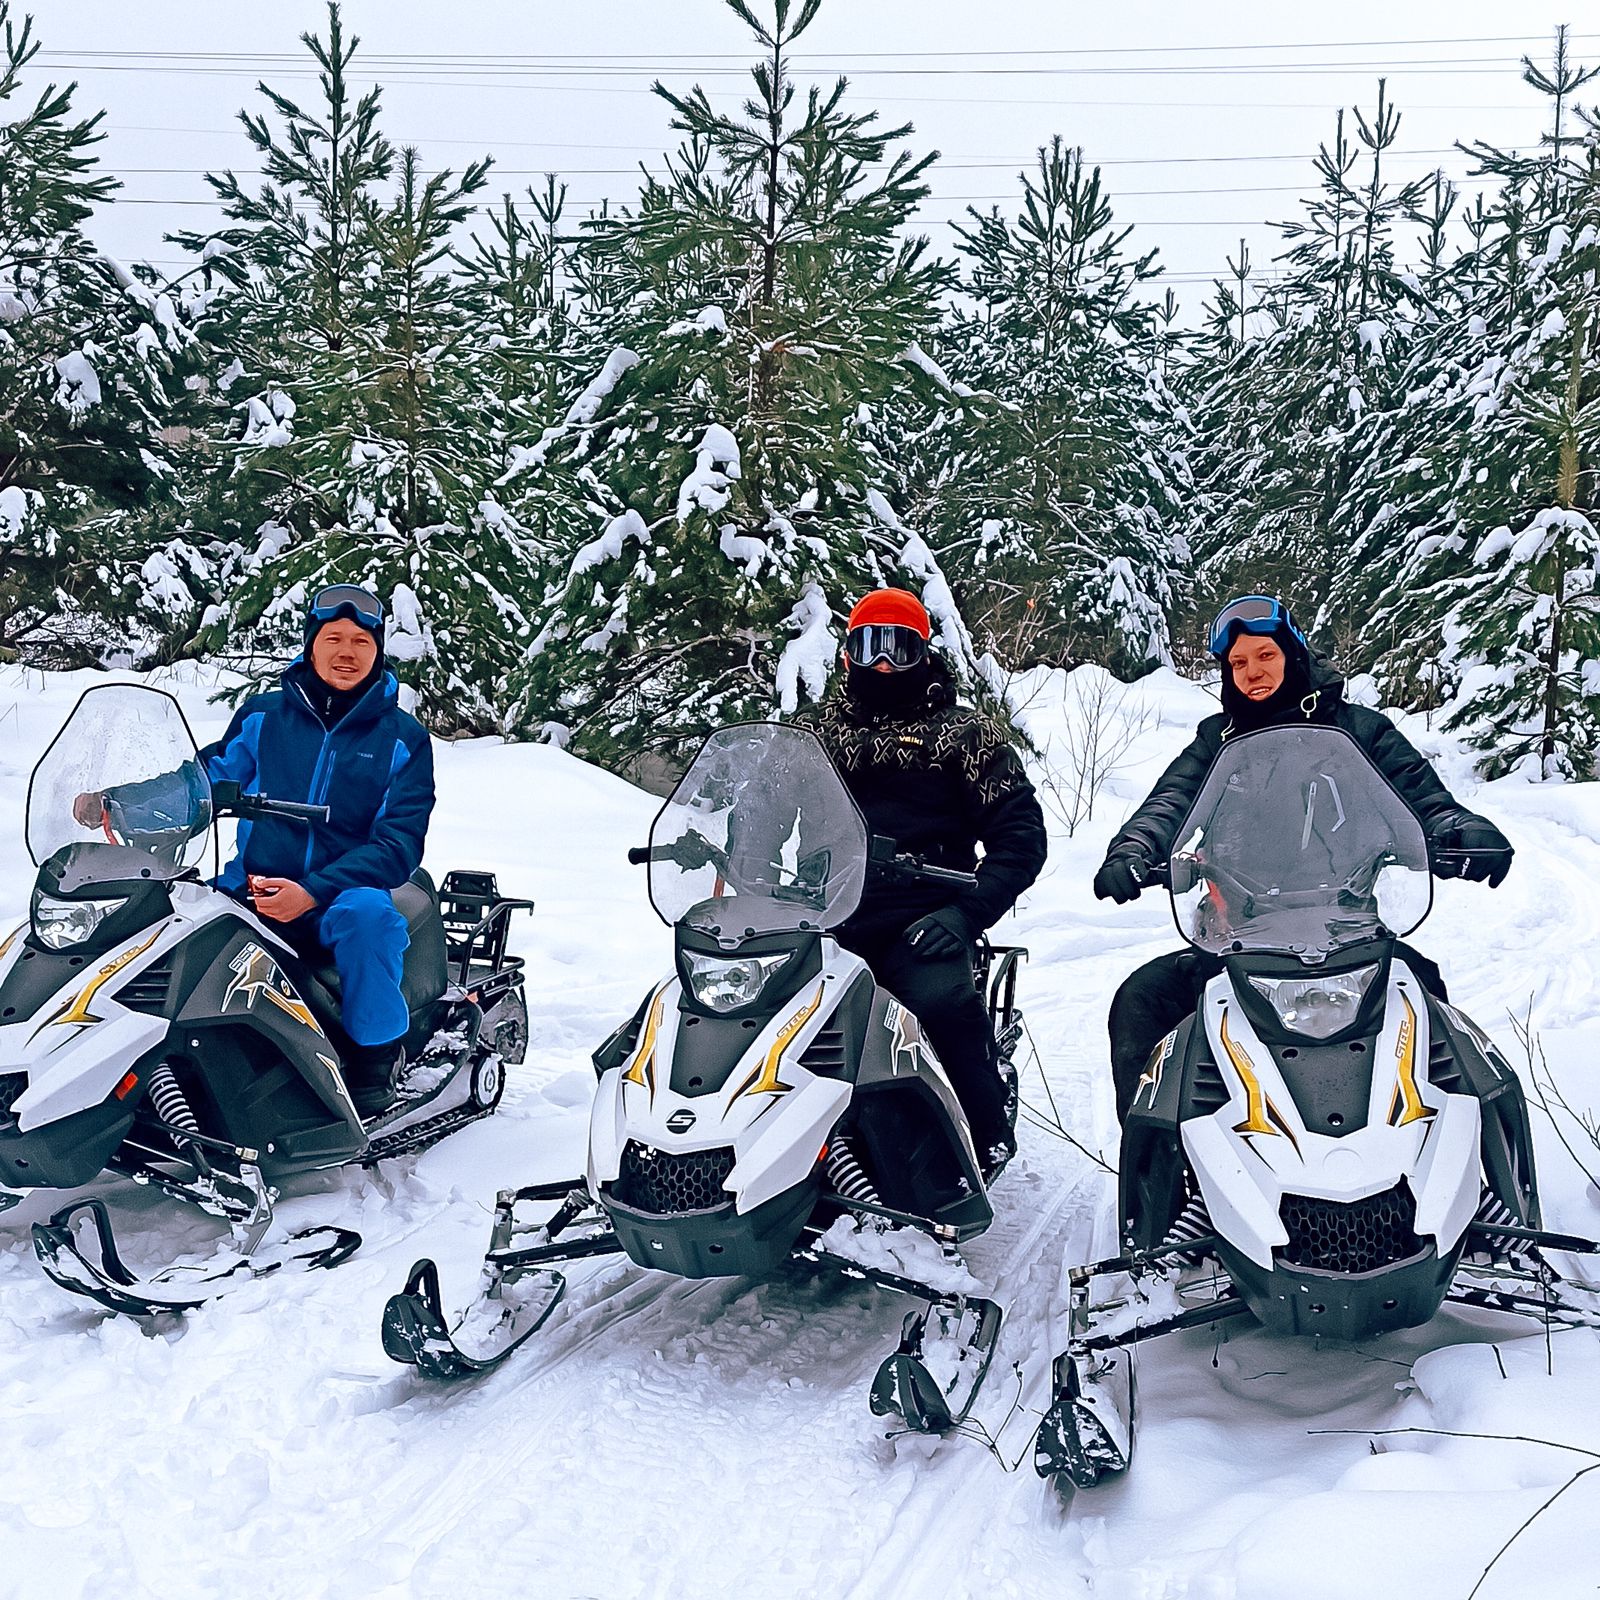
x=347 y=600
x=1251 y=613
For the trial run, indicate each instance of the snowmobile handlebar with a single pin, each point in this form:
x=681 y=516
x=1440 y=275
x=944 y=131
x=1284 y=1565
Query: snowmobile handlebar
x=227 y=799
x=885 y=858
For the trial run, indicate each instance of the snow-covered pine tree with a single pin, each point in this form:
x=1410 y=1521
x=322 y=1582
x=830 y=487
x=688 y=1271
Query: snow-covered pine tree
x=1060 y=475
x=1280 y=409
x=93 y=359
x=759 y=302
x=358 y=451
x=1523 y=592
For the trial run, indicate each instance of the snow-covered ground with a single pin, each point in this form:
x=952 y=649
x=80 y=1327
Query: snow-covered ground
x=665 y=1438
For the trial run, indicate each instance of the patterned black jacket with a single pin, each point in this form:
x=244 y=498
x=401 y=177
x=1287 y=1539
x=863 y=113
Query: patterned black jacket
x=939 y=783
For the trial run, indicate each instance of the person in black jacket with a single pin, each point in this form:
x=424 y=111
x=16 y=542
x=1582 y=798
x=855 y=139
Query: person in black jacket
x=939 y=780
x=1270 y=676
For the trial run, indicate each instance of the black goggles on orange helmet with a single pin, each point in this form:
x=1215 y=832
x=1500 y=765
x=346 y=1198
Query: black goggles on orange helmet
x=885 y=643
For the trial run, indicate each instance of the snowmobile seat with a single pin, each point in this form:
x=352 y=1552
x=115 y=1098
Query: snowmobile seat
x=424 y=974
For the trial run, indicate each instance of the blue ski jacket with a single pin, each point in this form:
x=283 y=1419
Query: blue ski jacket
x=374 y=769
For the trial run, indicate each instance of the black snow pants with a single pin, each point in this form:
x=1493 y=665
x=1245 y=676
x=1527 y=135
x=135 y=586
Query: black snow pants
x=1156 y=997
x=945 y=1000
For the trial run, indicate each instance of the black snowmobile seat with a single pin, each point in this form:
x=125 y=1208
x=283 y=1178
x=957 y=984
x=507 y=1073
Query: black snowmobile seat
x=425 y=973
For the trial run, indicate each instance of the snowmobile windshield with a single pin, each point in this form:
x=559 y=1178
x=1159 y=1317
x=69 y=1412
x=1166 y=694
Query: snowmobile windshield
x=124 y=773
x=760 y=836
x=1297 y=844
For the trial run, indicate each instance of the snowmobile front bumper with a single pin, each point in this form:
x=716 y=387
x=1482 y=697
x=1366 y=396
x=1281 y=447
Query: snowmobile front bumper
x=719 y=1242
x=1348 y=1307
x=66 y=1153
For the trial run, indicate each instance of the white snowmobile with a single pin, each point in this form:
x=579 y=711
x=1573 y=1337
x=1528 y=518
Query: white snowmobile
x=1324 y=1145
x=152 y=1026
x=767 y=1102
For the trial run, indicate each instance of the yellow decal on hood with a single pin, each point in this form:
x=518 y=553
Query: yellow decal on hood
x=1255 y=1116
x=643 y=1068
x=76 y=1010
x=765 y=1080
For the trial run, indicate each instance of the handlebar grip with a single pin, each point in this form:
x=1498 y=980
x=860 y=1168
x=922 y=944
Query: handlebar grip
x=1160 y=875
x=639 y=855
x=947 y=875
x=294 y=810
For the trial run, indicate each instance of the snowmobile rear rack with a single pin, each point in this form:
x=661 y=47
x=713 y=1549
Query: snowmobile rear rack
x=477 y=922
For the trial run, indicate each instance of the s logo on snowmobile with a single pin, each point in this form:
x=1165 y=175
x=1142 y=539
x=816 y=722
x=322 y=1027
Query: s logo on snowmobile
x=256 y=974
x=680 y=1121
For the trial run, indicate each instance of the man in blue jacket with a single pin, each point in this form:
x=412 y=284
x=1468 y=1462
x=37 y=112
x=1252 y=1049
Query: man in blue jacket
x=333 y=734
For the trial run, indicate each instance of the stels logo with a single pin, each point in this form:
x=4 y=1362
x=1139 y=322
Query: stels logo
x=680 y=1122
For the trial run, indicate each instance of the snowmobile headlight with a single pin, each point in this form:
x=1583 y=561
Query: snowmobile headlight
x=723 y=983
x=59 y=924
x=1319 y=1007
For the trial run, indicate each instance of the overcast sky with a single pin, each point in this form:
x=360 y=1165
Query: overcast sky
x=1204 y=116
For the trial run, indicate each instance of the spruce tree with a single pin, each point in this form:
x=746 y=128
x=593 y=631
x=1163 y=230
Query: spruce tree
x=1062 y=479
x=356 y=397
x=93 y=360
x=731 y=498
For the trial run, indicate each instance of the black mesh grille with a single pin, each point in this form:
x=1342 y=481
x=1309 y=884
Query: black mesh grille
x=665 y=1183
x=147 y=991
x=11 y=1086
x=1358 y=1236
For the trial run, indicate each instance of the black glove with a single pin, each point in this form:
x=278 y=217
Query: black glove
x=1120 y=878
x=940 y=935
x=1490 y=856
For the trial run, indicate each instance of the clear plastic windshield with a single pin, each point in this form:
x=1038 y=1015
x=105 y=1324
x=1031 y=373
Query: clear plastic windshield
x=123 y=771
x=760 y=836
x=1297 y=844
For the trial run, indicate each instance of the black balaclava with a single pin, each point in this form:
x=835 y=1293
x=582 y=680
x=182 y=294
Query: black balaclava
x=1285 y=703
x=899 y=695
x=330 y=704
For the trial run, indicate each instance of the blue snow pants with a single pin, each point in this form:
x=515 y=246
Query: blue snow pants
x=367 y=937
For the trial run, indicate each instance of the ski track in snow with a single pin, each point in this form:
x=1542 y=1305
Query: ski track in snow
x=670 y=1438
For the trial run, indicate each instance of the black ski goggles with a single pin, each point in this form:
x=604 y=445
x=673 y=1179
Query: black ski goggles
x=890 y=643
x=347 y=600
x=1251 y=613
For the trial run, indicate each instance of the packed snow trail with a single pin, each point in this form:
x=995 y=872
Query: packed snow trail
x=668 y=1438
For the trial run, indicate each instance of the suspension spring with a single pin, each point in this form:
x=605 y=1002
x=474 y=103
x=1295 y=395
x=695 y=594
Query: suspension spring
x=171 y=1104
x=1193 y=1222
x=847 y=1176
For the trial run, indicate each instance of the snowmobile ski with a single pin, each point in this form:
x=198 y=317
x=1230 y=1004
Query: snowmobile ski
x=516 y=1292
x=965 y=1333
x=99 y=1273
x=509 y=1308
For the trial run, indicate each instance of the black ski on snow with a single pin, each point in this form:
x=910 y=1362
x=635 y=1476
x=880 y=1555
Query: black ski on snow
x=106 y=1278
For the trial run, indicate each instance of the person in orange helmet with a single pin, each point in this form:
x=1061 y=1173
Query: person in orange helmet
x=941 y=780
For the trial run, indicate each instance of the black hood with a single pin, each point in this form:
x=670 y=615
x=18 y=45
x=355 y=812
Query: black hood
x=1312 y=687
x=899 y=696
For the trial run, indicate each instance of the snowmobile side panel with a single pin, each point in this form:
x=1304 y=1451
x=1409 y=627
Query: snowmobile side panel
x=77 y=1066
x=1465 y=1061
x=608 y=1131
x=718 y=1242
x=784 y=1150
x=1448 y=1181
